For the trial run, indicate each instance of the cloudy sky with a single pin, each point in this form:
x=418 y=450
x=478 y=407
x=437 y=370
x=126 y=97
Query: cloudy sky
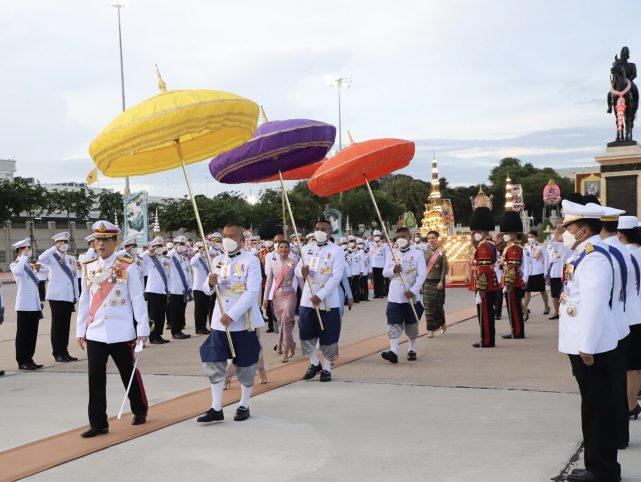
x=472 y=81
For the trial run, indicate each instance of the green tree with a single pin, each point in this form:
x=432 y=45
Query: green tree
x=110 y=205
x=410 y=193
x=76 y=204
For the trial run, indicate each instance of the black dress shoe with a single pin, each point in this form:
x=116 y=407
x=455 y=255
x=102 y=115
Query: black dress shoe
x=269 y=330
x=204 y=331
x=69 y=357
x=27 y=367
x=157 y=341
x=93 y=431
x=1 y=372
x=411 y=355
x=242 y=413
x=139 y=419
x=584 y=476
x=390 y=356
x=311 y=372
x=211 y=415
x=62 y=359
x=555 y=317
x=180 y=336
x=476 y=345
x=507 y=337
x=325 y=376
x=37 y=365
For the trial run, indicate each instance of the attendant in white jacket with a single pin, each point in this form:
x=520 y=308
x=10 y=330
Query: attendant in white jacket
x=202 y=301
x=536 y=267
x=28 y=306
x=180 y=287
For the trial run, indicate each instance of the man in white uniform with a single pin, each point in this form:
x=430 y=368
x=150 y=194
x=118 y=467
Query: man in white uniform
x=157 y=288
x=202 y=301
x=180 y=283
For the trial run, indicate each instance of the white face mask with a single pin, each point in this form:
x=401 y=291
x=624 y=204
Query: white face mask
x=27 y=253
x=531 y=240
x=170 y=245
x=377 y=238
x=320 y=236
x=417 y=240
x=569 y=239
x=181 y=249
x=216 y=245
x=229 y=245
x=402 y=243
x=269 y=244
x=63 y=248
x=507 y=238
x=478 y=236
x=158 y=251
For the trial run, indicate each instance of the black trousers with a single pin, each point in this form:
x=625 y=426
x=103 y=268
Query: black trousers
x=26 y=335
x=622 y=393
x=355 y=285
x=598 y=385
x=379 y=282
x=42 y=285
x=271 y=316
x=364 y=287
x=79 y=286
x=60 y=321
x=157 y=309
x=123 y=356
x=485 y=312
x=201 y=309
x=498 y=307
x=177 y=307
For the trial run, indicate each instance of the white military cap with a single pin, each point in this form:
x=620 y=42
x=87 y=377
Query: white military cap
x=351 y=237
x=343 y=240
x=64 y=236
x=104 y=229
x=377 y=233
x=360 y=240
x=573 y=212
x=309 y=235
x=628 y=222
x=180 y=239
x=22 y=244
x=198 y=244
x=130 y=240
x=610 y=214
x=216 y=235
x=157 y=241
x=90 y=238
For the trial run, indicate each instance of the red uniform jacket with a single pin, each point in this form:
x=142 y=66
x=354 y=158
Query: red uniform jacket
x=513 y=259
x=483 y=274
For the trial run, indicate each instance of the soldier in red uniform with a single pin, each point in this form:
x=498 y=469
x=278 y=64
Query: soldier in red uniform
x=484 y=282
x=511 y=225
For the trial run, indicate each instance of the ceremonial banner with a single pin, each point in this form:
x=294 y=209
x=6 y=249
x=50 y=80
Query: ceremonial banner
x=448 y=212
x=517 y=198
x=335 y=217
x=136 y=222
x=589 y=183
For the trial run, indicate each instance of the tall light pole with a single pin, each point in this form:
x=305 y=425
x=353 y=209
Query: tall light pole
x=339 y=84
x=118 y=4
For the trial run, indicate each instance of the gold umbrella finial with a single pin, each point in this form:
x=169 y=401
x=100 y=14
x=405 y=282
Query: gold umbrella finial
x=263 y=115
x=351 y=139
x=162 y=87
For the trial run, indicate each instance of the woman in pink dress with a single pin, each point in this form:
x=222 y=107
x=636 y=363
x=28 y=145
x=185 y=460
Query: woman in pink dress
x=282 y=282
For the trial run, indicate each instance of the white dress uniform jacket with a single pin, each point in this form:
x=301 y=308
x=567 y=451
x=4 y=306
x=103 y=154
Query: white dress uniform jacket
x=239 y=283
x=377 y=255
x=43 y=272
x=60 y=287
x=357 y=261
x=27 y=297
x=175 y=281
x=114 y=319
x=155 y=283
x=414 y=271
x=200 y=272
x=558 y=254
x=326 y=265
x=591 y=329
x=537 y=259
x=628 y=315
x=635 y=252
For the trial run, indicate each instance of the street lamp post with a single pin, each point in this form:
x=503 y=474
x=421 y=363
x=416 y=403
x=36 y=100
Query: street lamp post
x=339 y=84
x=118 y=4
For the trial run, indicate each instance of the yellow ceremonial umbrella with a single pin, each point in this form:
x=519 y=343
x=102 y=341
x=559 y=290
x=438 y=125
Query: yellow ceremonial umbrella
x=173 y=129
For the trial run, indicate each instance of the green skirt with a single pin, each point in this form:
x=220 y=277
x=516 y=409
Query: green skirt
x=434 y=303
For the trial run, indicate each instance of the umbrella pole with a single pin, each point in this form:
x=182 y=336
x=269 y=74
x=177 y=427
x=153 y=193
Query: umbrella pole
x=204 y=240
x=300 y=246
x=380 y=219
x=282 y=202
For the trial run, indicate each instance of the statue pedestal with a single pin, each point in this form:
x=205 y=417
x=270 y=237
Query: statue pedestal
x=620 y=177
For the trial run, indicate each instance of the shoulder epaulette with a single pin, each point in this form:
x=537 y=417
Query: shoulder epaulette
x=125 y=259
x=90 y=260
x=589 y=248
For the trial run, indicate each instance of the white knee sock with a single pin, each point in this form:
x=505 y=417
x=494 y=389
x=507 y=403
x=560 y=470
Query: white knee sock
x=327 y=365
x=393 y=344
x=313 y=358
x=245 y=394
x=217 y=395
x=412 y=345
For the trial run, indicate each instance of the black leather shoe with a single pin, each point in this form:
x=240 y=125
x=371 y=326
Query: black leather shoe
x=27 y=367
x=1 y=373
x=204 y=331
x=584 y=476
x=242 y=413
x=411 y=355
x=507 y=337
x=325 y=376
x=269 y=330
x=139 y=419
x=157 y=341
x=62 y=359
x=311 y=372
x=211 y=415
x=180 y=336
x=390 y=356
x=69 y=357
x=476 y=345
x=555 y=317
x=93 y=431
x=37 y=365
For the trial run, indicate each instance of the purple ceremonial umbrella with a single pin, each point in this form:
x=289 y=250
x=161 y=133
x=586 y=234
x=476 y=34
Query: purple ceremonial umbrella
x=276 y=146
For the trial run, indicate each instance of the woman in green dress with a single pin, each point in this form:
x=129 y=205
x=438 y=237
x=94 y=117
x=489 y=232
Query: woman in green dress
x=434 y=286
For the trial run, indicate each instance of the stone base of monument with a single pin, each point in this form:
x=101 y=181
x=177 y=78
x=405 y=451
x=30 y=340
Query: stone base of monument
x=620 y=176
